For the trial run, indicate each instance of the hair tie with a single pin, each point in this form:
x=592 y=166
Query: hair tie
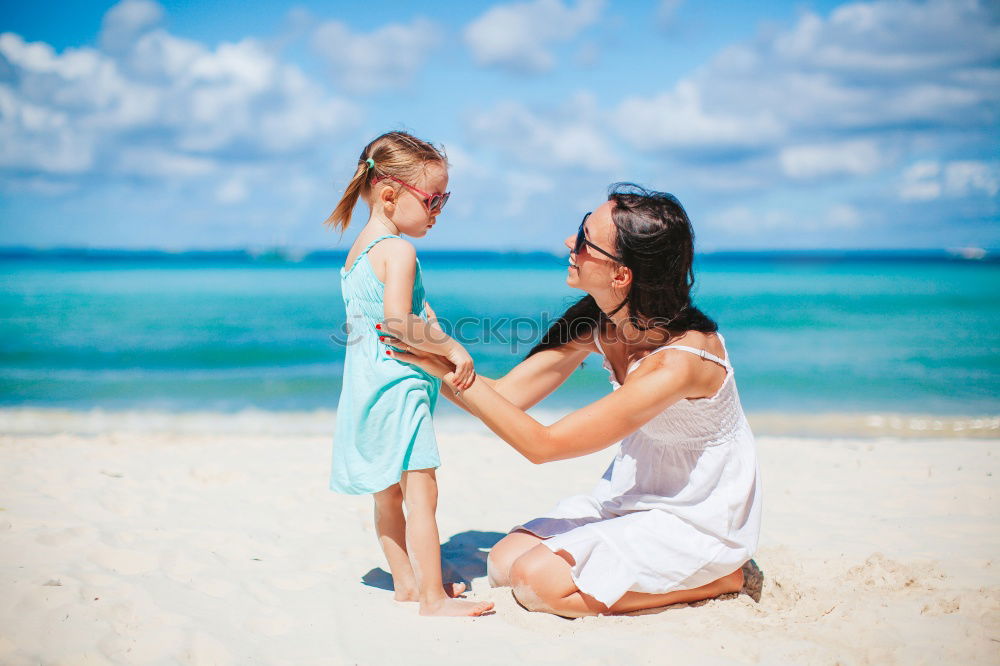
x=370 y=162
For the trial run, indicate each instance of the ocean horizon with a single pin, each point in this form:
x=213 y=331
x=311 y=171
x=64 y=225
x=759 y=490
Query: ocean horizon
x=297 y=255
x=809 y=332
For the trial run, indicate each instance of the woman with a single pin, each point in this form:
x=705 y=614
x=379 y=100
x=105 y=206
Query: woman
x=677 y=514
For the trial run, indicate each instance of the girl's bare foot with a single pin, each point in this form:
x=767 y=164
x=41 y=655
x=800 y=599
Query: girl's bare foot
x=455 y=608
x=453 y=590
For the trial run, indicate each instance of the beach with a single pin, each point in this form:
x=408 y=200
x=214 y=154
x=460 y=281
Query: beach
x=218 y=223
x=144 y=537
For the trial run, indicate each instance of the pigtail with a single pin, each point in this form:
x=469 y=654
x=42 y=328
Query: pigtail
x=341 y=215
x=396 y=154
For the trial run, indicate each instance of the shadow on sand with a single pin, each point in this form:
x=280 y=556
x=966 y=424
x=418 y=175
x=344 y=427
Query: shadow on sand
x=463 y=558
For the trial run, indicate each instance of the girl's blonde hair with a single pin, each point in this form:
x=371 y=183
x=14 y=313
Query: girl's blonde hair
x=398 y=154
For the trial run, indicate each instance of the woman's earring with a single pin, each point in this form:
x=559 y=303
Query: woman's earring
x=621 y=274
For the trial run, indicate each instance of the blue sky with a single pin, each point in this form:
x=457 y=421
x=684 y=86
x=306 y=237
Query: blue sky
x=777 y=124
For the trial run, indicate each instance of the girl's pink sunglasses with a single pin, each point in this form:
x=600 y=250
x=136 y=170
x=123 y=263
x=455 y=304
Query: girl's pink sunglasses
x=432 y=202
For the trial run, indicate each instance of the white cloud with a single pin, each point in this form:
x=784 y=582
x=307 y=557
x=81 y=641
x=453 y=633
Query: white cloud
x=233 y=190
x=869 y=67
x=518 y=36
x=842 y=216
x=463 y=163
x=667 y=11
x=160 y=57
x=160 y=163
x=741 y=220
x=679 y=119
x=521 y=187
x=38 y=138
x=967 y=177
x=744 y=221
x=159 y=106
x=894 y=38
x=126 y=21
x=386 y=58
x=920 y=191
x=588 y=54
x=570 y=137
x=920 y=182
x=853 y=158
x=928 y=180
x=922 y=170
x=39 y=185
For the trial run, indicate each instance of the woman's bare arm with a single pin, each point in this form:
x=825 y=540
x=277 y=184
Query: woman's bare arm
x=589 y=429
x=536 y=377
x=527 y=383
x=653 y=387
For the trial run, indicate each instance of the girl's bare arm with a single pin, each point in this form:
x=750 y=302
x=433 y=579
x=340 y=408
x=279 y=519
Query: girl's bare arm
x=399 y=265
x=400 y=322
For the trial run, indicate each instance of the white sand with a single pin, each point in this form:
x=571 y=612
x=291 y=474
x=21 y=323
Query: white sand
x=209 y=539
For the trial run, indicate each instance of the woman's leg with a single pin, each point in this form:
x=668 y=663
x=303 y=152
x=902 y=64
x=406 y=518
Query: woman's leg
x=424 y=547
x=505 y=552
x=390 y=526
x=541 y=581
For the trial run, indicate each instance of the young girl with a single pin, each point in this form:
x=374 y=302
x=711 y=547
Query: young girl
x=384 y=442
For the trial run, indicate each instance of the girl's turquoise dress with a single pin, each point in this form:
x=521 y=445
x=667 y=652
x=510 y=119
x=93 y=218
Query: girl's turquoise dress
x=384 y=416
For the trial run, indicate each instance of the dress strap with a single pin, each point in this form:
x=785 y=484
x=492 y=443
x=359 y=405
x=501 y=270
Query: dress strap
x=708 y=356
x=369 y=247
x=692 y=350
x=597 y=340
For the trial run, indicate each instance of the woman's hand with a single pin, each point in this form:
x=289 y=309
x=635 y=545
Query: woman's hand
x=432 y=364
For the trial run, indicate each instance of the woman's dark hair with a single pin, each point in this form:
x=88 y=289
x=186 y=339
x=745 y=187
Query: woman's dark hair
x=656 y=242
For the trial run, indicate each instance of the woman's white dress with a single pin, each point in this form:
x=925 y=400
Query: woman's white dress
x=679 y=506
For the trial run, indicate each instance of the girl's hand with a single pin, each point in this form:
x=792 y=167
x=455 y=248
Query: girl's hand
x=465 y=372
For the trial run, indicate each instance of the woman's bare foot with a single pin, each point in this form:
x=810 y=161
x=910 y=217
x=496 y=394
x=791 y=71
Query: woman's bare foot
x=455 y=608
x=453 y=590
x=730 y=583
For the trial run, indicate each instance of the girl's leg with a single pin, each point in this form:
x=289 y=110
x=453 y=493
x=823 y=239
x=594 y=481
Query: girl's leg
x=541 y=582
x=390 y=525
x=505 y=553
x=424 y=547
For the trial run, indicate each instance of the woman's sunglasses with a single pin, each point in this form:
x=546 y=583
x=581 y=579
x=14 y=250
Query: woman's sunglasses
x=581 y=240
x=432 y=202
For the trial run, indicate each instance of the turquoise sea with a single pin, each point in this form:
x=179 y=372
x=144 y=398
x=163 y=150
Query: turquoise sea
x=814 y=332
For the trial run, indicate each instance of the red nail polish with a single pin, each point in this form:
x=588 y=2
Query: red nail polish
x=388 y=353
x=378 y=326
